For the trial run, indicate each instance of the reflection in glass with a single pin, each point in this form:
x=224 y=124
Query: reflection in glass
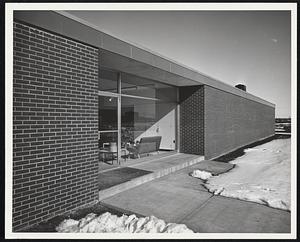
x=108 y=81
x=147 y=126
x=137 y=116
x=148 y=116
x=108 y=146
x=142 y=87
x=108 y=140
x=108 y=113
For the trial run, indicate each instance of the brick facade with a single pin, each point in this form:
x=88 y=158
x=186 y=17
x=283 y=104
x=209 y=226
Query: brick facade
x=191 y=101
x=55 y=125
x=232 y=121
x=214 y=122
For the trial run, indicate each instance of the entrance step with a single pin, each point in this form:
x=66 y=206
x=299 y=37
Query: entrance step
x=154 y=169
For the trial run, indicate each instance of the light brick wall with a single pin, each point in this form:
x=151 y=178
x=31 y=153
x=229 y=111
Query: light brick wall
x=191 y=101
x=55 y=125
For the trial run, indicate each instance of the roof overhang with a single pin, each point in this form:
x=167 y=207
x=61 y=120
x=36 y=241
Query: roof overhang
x=129 y=65
x=123 y=56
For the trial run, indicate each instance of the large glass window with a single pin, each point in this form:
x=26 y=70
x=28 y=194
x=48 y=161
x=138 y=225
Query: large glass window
x=108 y=128
x=108 y=113
x=147 y=121
x=138 y=86
x=148 y=113
x=137 y=117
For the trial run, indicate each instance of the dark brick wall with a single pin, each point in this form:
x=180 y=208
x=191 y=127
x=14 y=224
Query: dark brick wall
x=55 y=125
x=191 y=101
x=232 y=121
x=214 y=122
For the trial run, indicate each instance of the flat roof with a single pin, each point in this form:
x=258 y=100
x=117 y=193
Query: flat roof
x=126 y=56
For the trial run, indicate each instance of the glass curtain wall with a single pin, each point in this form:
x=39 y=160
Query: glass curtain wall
x=146 y=124
x=108 y=116
x=108 y=120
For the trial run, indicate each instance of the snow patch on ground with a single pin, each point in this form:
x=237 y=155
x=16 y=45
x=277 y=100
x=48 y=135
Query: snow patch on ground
x=108 y=223
x=204 y=175
x=262 y=175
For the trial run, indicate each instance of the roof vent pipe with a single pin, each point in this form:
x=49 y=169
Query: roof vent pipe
x=241 y=86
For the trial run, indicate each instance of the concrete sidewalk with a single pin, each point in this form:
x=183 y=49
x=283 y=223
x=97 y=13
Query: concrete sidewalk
x=157 y=166
x=180 y=198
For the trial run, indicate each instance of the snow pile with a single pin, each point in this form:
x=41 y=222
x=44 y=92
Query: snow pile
x=108 y=223
x=204 y=175
x=262 y=175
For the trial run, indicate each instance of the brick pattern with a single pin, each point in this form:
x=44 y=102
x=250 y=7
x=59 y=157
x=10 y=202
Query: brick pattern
x=192 y=119
x=213 y=122
x=55 y=125
x=232 y=121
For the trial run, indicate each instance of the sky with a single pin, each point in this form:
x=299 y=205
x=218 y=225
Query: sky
x=248 y=47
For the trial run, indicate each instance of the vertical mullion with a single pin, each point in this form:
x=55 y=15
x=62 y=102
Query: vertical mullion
x=119 y=118
x=177 y=121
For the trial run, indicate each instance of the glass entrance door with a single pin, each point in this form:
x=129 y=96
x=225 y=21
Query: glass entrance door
x=108 y=128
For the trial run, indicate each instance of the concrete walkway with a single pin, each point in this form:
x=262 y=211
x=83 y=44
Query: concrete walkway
x=180 y=198
x=158 y=166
